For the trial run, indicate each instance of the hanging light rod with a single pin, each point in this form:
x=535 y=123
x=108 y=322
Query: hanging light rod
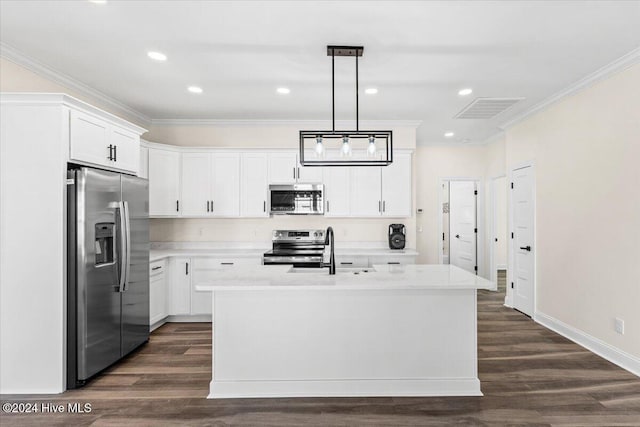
x=358 y=147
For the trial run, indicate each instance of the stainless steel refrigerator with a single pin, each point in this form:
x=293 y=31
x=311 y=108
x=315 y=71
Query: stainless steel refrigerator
x=108 y=270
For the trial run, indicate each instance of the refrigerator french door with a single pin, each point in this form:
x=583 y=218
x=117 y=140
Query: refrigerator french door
x=108 y=255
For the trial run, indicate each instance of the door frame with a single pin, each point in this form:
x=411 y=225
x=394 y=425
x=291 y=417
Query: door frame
x=493 y=226
x=480 y=237
x=508 y=299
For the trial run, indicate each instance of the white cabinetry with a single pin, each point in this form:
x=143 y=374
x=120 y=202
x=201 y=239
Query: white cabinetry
x=284 y=168
x=157 y=292
x=143 y=172
x=365 y=191
x=226 y=184
x=99 y=142
x=396 y=187
x=210 y=184
x=164 y=182
x=180 y=287
x=196 y=184
x=336 y=191
x=254 y=182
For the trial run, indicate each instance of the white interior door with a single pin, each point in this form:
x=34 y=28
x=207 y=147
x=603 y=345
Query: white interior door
x=522 y=205
x=463 y=231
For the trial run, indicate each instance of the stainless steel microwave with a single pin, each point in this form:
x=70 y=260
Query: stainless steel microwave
x=296 y=199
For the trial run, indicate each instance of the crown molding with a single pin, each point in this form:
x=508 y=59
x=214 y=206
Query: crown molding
x=620 y=64
x=17 y=57
x=311 y=124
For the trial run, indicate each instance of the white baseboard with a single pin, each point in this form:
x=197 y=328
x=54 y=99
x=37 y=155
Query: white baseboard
x=186 y=318
x=345 y=388
x=601 y=348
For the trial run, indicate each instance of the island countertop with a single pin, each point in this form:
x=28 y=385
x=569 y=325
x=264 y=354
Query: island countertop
x=380 y=277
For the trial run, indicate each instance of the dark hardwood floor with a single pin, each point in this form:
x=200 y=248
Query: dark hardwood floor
x=530 y=376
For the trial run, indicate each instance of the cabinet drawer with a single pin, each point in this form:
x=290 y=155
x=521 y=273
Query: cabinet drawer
x=348 y=261
x=217 y=263
x=156 y=268
x=392 y=259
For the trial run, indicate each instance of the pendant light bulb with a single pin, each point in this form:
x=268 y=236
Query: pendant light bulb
x=346 y=147
x=371 y=149
x=319 y=147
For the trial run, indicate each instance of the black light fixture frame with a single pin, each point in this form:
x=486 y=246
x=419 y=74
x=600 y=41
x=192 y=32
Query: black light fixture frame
x=385 y=136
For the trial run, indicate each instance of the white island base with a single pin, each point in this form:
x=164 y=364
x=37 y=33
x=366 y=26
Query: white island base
x=377 y=335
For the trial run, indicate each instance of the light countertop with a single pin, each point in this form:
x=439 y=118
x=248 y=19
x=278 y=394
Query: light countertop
x=380 y=277
x=158 y=254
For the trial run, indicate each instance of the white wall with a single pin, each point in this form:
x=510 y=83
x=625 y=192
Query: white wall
x=501 y=222
x=373 y=230
x=586 y=150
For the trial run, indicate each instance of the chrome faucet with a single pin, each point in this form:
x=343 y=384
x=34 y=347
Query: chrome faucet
x=329 y=240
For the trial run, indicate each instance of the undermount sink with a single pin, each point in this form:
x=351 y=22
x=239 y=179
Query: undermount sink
x=363 y=270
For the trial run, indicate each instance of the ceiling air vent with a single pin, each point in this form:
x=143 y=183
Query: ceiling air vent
x=486 y=108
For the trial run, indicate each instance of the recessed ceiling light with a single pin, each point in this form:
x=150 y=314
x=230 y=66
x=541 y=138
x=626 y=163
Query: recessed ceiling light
x=283 y=90
x=158 y=56
x=449 y=134
x=371 y=91
x=465 y=91
x=98 y=1
x=194 y=89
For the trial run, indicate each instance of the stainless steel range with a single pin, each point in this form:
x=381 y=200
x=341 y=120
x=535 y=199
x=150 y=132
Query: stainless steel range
x=300 y=248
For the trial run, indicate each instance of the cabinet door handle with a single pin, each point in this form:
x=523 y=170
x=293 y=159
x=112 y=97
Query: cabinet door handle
x=379 y=206
x=115 y=153
x=207 y=206
x=264 y=206
x=110 y=152
x=393 y=263
x=177 y=205
x=327 y=206
x=298 y=172
x=212 y=206
x=294 y=173
x=186 y=268
x=156 y=268
x=346 y=263
x=226 y=263
x=384 y=206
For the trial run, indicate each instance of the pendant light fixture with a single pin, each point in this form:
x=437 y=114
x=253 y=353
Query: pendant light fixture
x=345 y=147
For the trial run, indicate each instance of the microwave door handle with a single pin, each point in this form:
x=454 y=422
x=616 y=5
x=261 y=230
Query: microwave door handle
x=127 y=268
x=122 y=246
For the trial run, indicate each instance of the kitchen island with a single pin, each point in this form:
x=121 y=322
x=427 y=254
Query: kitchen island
x=393 y=330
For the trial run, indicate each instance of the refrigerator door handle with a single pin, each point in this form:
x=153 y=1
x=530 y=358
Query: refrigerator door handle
x=127 y=260
x=123 y=246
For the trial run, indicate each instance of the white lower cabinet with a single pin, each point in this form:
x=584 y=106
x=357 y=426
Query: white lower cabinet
x=180 y=287
x=351 y=261
x=157 y=292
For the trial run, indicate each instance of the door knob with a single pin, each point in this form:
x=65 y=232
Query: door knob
x=526 y=248
x=457 y=236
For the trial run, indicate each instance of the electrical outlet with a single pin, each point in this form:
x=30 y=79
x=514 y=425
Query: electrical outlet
x=619 y=326
x=419 y=229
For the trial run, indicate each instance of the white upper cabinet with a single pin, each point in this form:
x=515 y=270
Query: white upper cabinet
x=164 y=182
x=365 y=191
x=396 y=187
x=225 y=197
x=282 y=168
x=96 y=141
x=254 y=184
x=336 y=191
x=143 y=172
x=210 y=184
x=196 y=184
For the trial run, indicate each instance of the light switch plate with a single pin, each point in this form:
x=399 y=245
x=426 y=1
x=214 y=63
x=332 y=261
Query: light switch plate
x=619 y=326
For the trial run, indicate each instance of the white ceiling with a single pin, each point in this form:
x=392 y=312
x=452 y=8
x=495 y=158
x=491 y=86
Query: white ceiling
x=418 y=54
